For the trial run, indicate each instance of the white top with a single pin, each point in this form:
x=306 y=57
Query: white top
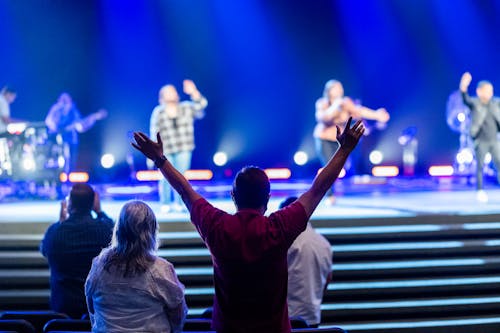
x=4 y=112
x=151 y=302
x=309 y=264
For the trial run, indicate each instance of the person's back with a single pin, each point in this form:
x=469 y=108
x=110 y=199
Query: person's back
x=249 y=256
x=309 y=272
x=129 y=288
x=70 y=245
x=132 y=303
x=249 y=250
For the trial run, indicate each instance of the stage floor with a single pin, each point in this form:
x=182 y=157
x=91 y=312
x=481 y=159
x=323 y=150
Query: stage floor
x=369 y=199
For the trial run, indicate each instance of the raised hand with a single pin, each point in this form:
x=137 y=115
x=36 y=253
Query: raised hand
x=382 y=115
x=189 y=87
x=150 y=149
x=349 y=138
x=465 y=81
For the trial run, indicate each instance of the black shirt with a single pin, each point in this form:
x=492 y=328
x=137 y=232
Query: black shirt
x=69 y=247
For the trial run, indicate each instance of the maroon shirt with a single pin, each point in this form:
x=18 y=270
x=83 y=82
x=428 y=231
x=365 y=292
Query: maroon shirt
x=249 y=255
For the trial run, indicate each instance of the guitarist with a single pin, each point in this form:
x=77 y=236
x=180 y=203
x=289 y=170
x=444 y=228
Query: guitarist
x=65 y=119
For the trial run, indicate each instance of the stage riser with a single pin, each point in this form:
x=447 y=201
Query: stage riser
x=368 y=251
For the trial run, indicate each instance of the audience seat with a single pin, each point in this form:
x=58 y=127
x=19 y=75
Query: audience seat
x=319 y=330
x=36 y=318
x=16 y=325
x=76 y=325
x=197 y=324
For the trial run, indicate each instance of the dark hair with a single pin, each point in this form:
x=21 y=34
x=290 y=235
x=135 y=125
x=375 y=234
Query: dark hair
x=134 y=240
x=251 y=188
x=8 y=89
x=81 y=198
x=483 y=83
x=287 y=202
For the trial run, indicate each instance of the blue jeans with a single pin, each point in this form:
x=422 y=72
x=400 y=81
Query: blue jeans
x=182 y=162
x=325 y=150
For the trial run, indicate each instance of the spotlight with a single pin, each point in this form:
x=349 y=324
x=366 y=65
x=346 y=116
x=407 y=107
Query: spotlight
x=300 y=158
x=461 y=117
x=465 y=156
x=61 y=161
x=29 y=164
x=487 y=158
x=107 y=161
x=220 y=158
x=385 y=171
x=441 y=170
x=376 y=157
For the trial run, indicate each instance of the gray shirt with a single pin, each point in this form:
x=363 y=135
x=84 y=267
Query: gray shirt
x=151 y=302
x=485 y=118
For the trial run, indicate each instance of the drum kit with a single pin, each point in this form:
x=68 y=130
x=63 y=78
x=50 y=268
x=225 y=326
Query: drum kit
x=28 y=152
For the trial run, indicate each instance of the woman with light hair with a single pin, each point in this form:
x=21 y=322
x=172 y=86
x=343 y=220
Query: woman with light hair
x=333 y=110
x=130 y=288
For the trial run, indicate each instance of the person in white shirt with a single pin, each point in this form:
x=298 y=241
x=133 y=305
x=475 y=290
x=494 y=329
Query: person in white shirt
x=309 y=273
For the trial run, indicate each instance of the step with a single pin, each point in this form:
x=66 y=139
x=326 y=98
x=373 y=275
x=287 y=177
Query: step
x=412 y=308
x=459 y=324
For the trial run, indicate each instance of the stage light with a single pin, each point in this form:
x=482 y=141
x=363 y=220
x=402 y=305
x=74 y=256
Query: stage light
x=63 y=177
x=461 y=117
x=465 y=156
x=198 y=174
x=487 y=158
x=78 y=177
x=29 y=164
x=300 y=158
x=220 y=158
x=16 y=128
x=61 y=161
x=107 y=161
x=278 y=173
x=153 y=175
x=376 y=157
x=148 y=175
x=385 y=171
x=441 y=170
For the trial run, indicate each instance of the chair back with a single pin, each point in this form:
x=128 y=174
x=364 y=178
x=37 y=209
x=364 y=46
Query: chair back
x=319 y=330
x=197 y=324
x=16 y=325
x=76 y=325
x=36 y=318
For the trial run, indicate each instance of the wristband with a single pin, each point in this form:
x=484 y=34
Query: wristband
x=159 y=161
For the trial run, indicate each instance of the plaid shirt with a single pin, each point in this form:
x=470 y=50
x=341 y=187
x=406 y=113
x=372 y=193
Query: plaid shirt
x=177 y=133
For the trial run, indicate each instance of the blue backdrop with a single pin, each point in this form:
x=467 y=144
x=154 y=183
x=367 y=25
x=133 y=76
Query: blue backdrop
x=261 y=64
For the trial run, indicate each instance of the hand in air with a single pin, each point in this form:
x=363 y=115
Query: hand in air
x=382 y=115
x=465 y=81
x=349 y=138
x=148 y=147
x=189 y=87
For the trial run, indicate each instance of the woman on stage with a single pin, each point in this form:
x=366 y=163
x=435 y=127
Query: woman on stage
x=333 y=109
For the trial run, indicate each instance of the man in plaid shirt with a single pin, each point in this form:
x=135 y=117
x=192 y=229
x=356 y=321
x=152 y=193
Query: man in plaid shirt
x=174 y=121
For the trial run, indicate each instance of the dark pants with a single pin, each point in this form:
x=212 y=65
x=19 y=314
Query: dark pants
x=481 y=148
x=325 y=150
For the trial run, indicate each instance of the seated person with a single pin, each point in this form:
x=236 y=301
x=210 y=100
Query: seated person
x=70 y=245
x=309 y=272
x=130 y=288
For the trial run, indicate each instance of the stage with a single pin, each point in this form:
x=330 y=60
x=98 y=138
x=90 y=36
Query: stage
x=358 y=197
x=414 y=252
